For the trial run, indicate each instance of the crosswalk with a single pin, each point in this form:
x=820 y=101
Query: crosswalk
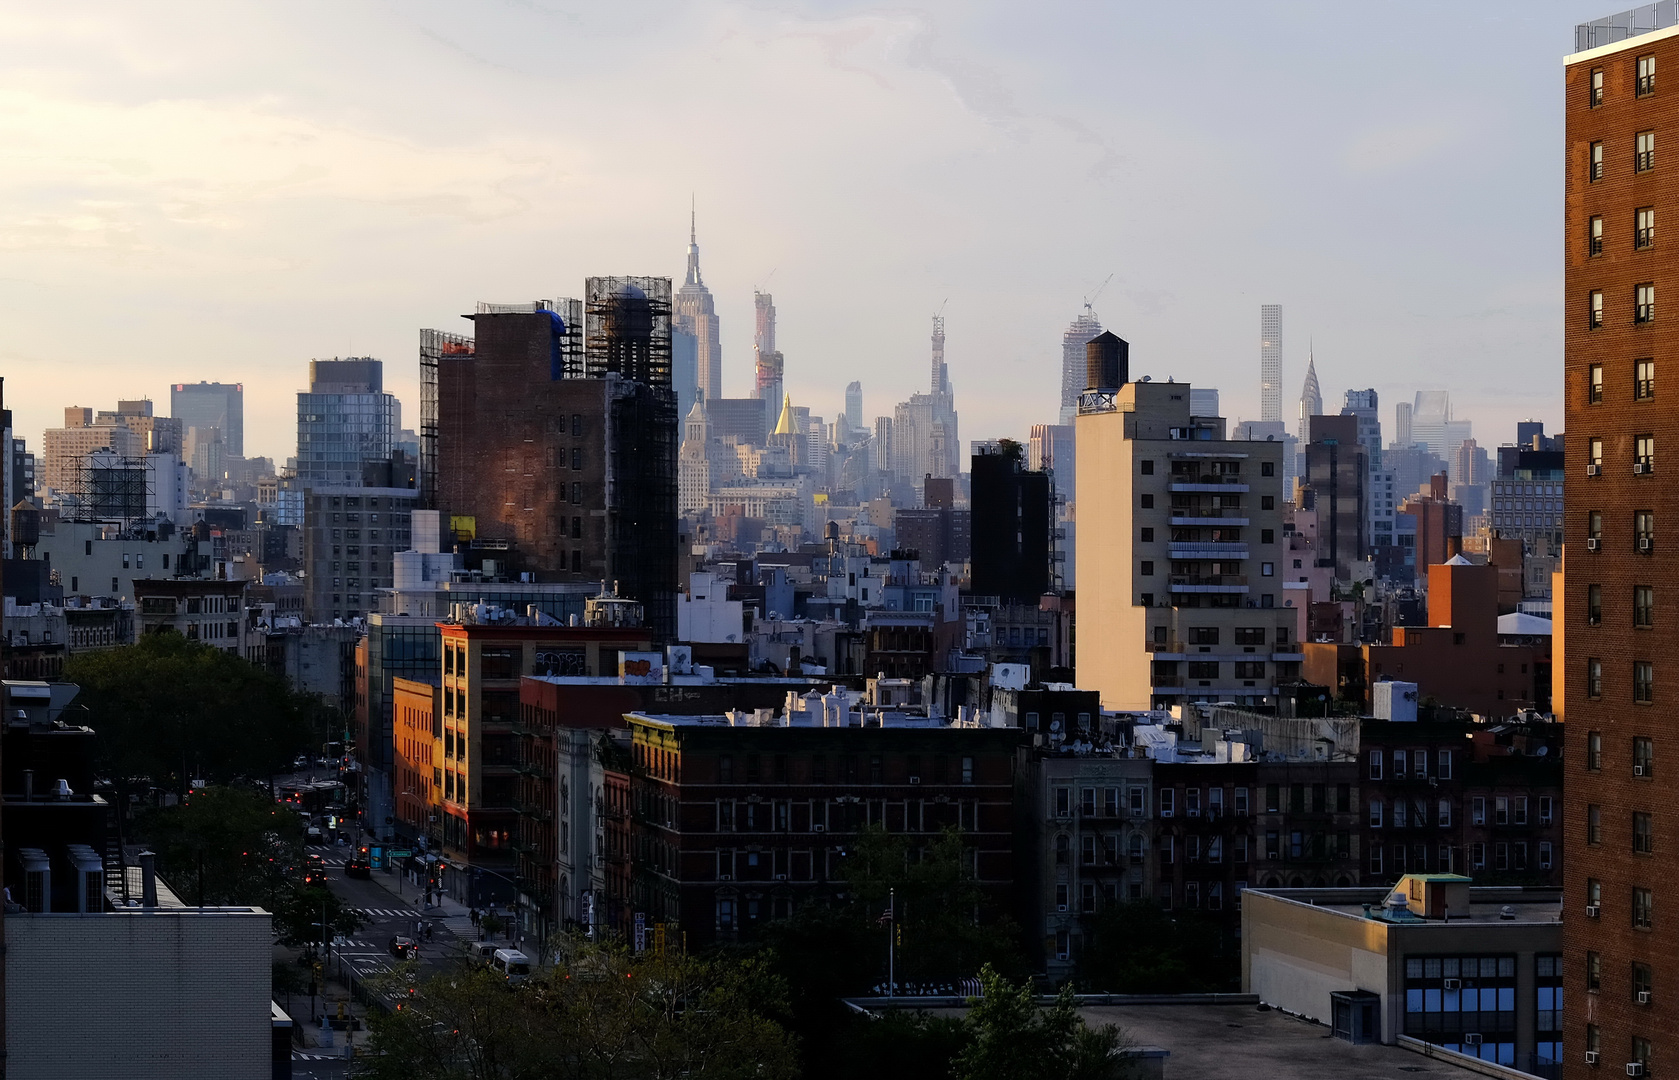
x=387 y=913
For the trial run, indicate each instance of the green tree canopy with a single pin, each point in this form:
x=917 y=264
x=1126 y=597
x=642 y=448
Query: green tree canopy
x=1013 y=1038
x=169 y=709
x=1137 y=948
x=606 y=1015
x=225 y=845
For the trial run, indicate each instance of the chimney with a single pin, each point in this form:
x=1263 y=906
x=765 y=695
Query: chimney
x=148 y=879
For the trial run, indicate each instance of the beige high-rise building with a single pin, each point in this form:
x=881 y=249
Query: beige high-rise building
x=1180 y=554
x=63 y=449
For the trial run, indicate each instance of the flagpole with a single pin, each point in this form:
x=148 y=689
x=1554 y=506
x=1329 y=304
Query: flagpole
x=891 y=941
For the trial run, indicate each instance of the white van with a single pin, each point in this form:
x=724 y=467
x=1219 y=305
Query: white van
x=481 y=952
x=512 y=963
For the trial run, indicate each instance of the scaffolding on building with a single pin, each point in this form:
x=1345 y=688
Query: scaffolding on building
x=434 y=345
x=111 y=488
x=627 y=329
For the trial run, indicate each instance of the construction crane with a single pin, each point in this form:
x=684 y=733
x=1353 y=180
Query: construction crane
x=1091 y=299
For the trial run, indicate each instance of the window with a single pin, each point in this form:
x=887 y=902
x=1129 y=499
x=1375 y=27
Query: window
x=1594 y=892
x=1643 y=606
x=1146 y=466
x=1241 y=802
x=1594 y=749
x=1544 y=854
x=1644 y=454
x=1643 y=904
x=1375 y=813
x=1400 y=760
x=1478 y=810
x=1267 y=502
x=1445 y=813
x=1147 y=568
x=1643 y=834
x=1594 y=163
x=1146 y=502
x=1594 y=972
x=1594 y=384
x=967 y=770
x=1644 y=530
x=1643 y=756
x=1267 y=468
x=1063 y=802
x=1445 y=765
x=1594 y=94
x=1594 y=824
x=1646 y=83
x=1087 y=802
x=1644 y=152
x=1501 y=810
x=1167 y=795
x=1375 y=764
x=1594 y=309
x=1594 y=453
x=1594 y=526
x=1147 y=536
x=1594 y=605
x=1644 y=230
x=1594 y=235
x=1267 y=569
x=1644 y=303
x=1643 y=682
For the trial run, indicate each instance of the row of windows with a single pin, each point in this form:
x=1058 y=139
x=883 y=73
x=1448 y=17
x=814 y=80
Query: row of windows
x=1643 y=606
x=1643 y=232
x=1643 y=836
x=1643 y=306
x=1643 y=455
x=1643 y=374
x=1643 y=754
x=1643 y=84
x=846 y=769
x=1503 y=855
x=1506 y=810
x=1643 y=156
x=1643 y=680
x=1411 y=763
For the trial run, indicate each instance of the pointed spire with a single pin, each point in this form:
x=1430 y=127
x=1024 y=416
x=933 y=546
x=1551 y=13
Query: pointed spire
x=693 y=245
x=784 y=426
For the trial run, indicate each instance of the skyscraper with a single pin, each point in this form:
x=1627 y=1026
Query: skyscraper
x=1311 y=401
x=1085 y=327
x=345 y=421
x=854 y=406
x=1619 y=666
x=1403 y=435
x=1270 y=361
x=767 y=364
x=693 y=312
x=212 y=405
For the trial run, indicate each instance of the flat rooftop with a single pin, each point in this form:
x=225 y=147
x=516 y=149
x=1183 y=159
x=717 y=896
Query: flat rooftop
x=1238 y=1042
x=1486 y=904
x=1623 y=25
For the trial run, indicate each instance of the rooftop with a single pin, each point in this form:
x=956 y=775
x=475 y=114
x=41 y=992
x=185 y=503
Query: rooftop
x=1613 y=29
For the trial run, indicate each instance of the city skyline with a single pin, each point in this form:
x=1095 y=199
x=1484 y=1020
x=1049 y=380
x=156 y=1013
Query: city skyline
x=349 y=216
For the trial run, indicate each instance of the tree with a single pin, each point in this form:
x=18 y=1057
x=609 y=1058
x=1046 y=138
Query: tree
x=1013 y=1038
x=301 y=910
x=169 y=710
x=605 y=1014
x=224 y=845
x=945 y=932
x=1137 y=948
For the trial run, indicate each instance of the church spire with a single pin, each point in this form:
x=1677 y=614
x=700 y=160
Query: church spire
x=693 y=247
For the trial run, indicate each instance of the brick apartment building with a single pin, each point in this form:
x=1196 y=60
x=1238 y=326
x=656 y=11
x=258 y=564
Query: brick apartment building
x=1621 y=663
x=746 y=819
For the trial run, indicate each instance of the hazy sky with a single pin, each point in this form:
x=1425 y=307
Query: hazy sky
x=223 y=190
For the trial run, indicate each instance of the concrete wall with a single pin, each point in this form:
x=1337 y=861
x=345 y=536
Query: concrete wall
x=165 y=994
x=1295 y=955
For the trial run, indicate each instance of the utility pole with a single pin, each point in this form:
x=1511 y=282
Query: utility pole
x=891 y=942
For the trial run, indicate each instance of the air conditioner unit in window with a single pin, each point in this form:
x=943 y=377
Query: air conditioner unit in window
x=1591 y=1057
x=1060 y=907
x=1639 y=468
x=915 y=779
x=1593 y=470
x=1645 y=543
x=1473 y=1038
x=725 y=877
x=819 y=828
x=1638 y=770
x=1591 y=911
x=1644 y=997
x=781 y=877
x=1635 y=1068
x=1591 y=543
x=1452 y=984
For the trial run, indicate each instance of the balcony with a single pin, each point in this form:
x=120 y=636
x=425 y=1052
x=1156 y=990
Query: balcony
x=1211 y=583
x=1211 y=485
x=1209 y=517
x=1208 y=550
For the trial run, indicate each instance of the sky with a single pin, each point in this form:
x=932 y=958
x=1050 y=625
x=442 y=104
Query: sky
x=224 y=191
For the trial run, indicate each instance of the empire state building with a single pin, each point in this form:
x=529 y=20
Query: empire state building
x=696 y=314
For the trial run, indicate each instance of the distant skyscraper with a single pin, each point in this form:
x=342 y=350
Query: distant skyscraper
x=345 y=421
x=1203 y=401
x=768 y=365
x=1311 y=401
x=1073 y=372
x=1270 y=361
x=1430 y=414
x=684 y=370
x=1364 y=405
x=212 y=405
x=1402 y=436
x=694 y=312
x=854 y=406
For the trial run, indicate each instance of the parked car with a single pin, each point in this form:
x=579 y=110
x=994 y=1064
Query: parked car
x=301 y=762
x=314 y=835
x=358 y=868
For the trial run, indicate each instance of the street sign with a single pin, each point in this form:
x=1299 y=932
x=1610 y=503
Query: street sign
x=401 y=853
x=640 y=931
